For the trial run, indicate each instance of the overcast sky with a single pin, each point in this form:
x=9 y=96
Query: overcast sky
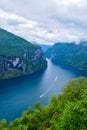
x=45 y=21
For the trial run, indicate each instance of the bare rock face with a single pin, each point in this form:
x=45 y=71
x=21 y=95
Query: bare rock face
x=19 y=57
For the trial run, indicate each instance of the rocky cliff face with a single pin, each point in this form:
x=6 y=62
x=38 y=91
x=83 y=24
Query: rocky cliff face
x=31 y=60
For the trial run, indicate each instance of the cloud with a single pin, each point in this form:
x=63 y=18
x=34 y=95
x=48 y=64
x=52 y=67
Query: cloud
x=45 y=21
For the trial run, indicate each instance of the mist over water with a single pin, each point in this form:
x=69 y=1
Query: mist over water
x=17 y=94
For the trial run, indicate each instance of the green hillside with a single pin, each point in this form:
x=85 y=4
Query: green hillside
x=67 y=111
x=18 y=56
x=69 y=55
x=13 y=45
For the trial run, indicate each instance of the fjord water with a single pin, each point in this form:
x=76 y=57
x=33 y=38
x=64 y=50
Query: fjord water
x=17 y=94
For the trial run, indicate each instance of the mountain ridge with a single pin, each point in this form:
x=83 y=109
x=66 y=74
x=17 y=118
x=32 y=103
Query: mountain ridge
x=18 y=56
x=69 y=55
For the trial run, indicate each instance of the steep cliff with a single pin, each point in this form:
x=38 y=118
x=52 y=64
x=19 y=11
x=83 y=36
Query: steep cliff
x=18 y=56
x=69 y=55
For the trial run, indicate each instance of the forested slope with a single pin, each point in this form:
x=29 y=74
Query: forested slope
x=67 y=111
x=18 y=56
x=69 y=55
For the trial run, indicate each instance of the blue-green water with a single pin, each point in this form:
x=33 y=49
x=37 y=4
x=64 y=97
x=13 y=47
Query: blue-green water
x=19 y=93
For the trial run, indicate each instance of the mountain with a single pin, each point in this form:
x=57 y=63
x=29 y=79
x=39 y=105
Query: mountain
x=18 y=56
x=69 y=55
x=44 y=46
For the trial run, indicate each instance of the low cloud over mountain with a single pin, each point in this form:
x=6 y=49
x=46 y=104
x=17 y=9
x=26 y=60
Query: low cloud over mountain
x=45 y=21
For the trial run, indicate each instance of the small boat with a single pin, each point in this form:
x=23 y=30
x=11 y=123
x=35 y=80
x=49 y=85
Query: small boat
x=41 y=96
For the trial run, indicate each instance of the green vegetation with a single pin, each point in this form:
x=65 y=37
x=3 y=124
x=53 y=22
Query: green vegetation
x=12 y=73
x=69 y=55
x=12 y=45
x=67 y=111
x=18 y=56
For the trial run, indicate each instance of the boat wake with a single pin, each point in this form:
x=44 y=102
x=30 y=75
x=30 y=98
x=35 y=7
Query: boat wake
x=55 y=78
x=48 y=89
x=44 y=93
